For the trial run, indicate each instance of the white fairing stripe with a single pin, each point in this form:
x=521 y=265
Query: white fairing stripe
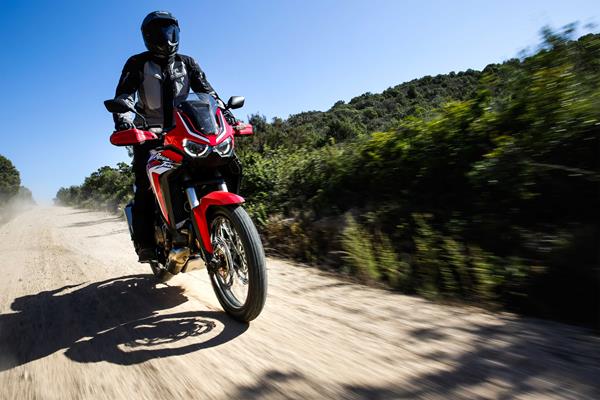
x=223 y=129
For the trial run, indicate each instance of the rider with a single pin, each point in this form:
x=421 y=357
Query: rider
x=161 y=78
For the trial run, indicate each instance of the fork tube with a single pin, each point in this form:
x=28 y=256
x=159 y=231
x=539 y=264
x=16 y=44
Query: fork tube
x=192 y=197
x=221 y=186
x=194 y=202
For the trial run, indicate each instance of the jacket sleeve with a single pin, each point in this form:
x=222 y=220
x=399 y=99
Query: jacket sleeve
x=198 y=81
x=129 y=83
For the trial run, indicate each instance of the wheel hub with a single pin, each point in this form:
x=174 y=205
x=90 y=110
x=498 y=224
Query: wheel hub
x=223 y=260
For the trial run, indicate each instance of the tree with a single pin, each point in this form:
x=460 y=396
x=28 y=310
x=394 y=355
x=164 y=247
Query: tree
x=9 y=180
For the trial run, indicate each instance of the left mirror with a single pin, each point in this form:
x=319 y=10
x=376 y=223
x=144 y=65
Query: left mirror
x=236 y=102
x=118 y=106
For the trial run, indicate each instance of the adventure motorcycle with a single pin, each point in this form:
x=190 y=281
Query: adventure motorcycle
x=190 y=171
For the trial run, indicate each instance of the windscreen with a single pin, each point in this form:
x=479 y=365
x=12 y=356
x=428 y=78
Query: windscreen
x=200 y=110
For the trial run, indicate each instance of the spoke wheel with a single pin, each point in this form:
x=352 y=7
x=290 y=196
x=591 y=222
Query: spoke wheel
x=239 y=277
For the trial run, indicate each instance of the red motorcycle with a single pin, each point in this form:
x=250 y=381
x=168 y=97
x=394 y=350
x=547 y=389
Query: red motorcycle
x=198 y=218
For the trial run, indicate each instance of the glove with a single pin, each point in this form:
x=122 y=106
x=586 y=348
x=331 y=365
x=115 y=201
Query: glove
x=124 y=125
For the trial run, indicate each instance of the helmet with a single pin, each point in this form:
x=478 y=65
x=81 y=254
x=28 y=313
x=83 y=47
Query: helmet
x=160 y=30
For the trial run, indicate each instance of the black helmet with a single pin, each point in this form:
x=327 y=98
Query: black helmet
x=160 y=30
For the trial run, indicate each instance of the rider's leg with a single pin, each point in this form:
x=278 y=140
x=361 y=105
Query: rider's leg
x=143 y=206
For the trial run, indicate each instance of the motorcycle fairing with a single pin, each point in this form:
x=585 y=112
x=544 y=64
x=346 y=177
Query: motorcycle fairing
x=163 y=162
x=159 y=168
x=184 y=130
x=218 y=198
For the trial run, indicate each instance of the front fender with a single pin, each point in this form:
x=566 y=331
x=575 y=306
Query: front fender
x=218 y=198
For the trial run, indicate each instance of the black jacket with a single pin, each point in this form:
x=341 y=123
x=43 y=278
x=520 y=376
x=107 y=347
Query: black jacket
x=159 y=84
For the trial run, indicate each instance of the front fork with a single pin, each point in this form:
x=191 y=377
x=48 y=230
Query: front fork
x=192 y=196
x=194 y=203
x=199 y=211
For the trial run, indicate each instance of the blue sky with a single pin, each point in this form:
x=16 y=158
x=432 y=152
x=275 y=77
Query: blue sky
x=61 y=59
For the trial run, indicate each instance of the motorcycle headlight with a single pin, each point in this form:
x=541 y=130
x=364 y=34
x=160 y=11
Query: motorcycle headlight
x=224 y=149
x=195 y=149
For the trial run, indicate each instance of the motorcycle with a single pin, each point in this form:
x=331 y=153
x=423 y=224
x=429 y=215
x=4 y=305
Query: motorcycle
x=191 y=170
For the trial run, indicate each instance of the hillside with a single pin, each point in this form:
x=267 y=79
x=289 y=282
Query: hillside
x=368 y=112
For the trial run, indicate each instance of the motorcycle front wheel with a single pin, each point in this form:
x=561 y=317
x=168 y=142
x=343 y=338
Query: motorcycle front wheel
x=240 y=276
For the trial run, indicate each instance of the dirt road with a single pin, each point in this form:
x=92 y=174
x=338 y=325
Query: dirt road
x=79 y=318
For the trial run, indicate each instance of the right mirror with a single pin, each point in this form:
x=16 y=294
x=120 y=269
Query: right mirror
x=236 y=102
x=117 y=106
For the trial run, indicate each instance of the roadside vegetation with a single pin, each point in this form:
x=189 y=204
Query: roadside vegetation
x=13 y=196
x=108 y=188
x=481 y=186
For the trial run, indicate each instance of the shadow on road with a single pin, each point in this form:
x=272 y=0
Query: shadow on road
x=115 y=320
x=115 y=232
x=93 y=222
x=80 y=211
x=518 y=358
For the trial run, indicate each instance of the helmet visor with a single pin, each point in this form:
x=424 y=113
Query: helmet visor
x=164 y=36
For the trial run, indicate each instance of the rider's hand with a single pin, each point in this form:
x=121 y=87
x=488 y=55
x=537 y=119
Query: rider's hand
x=231 y=120
x=240 y=126
x=124 y=125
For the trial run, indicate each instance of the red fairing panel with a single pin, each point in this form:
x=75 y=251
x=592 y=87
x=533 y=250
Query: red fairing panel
x=218 y=198
x=176 y=158
x=155 y=181
x=157 y=165
x=130 y=137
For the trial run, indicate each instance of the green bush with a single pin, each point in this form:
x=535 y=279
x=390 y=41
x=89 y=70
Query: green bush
x=358 y=251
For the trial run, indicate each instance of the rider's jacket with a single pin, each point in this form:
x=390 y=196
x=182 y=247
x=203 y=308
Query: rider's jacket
x=159 y=84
